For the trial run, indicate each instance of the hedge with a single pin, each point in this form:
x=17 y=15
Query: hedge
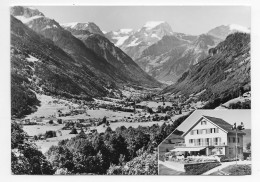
x=227 y=159
x=199 y=168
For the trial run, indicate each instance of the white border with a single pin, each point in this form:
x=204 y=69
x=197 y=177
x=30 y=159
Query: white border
x=5 y=88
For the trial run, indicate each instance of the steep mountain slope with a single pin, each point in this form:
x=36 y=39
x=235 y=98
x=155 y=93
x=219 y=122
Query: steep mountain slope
x=224 y=30
x=224 y=74
x=167 y=59
x=89 y=26
x=116 y=57
x=120 y=36
x=37 y=65
x=80 y=53
x=137 y=41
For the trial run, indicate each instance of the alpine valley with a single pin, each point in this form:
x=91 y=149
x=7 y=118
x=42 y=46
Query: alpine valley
x=87 y=101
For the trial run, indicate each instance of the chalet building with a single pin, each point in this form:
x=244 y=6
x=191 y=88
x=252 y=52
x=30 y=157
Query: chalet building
x=211 y=136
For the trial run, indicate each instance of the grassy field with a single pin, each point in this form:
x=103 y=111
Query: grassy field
x=153 y=104
x=32 y=130
x=44 y=145
x=47 y=108
x=163 y=170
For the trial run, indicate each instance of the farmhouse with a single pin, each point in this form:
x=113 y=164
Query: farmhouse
x=211 y=136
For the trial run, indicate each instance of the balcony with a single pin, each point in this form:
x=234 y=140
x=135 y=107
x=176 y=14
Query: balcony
x=203 y=144
x=180 y=145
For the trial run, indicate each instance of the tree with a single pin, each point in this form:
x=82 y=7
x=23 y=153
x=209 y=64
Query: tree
x=144 y=164
x=25 y=157
x=59 y=121
x=50 y=134
x=73 y=131
x=108 y=130
x=104 y=120
x=248 y=146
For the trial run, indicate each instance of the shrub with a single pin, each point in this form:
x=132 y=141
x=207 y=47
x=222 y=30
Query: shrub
x=226 y=159
x=240 y=170
x=50 y=134
x=74 y=131
x=199 y=168
x=59 y=121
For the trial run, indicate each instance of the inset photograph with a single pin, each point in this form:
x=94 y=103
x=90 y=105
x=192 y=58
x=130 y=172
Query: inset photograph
x=209 y=142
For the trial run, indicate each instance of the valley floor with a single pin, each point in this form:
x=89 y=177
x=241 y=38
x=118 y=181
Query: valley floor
x=49 y=107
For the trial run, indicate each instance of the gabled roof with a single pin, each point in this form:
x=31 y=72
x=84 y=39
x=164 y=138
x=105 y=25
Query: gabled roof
x=222 y=124
x=218 y=122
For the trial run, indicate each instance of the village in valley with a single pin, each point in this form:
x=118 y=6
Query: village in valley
x=90 y=100
x=57 y=119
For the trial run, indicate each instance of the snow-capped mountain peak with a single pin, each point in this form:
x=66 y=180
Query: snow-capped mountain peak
x=224 y=30
x=152 y=24
x=125 y=30
x=89 y=26
x=239 y=28
x=27 y=20
x=75 y=25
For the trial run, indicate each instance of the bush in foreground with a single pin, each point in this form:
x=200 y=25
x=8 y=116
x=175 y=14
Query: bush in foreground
x=240 y=170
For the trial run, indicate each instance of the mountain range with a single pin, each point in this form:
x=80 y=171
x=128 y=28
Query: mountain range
x=165 y=54
x=223 y=75
x=46 y=57
x=80 y=60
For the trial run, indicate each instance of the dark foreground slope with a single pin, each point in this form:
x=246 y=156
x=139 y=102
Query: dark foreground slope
x=224 y=74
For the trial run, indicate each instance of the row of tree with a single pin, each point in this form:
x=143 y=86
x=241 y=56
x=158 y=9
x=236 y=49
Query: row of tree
x=123 y=151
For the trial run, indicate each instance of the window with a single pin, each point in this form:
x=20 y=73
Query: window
x=207 y=142
x=217 y=141
x=199 y=131
x=204 y=131
x=237 y=140
x=229 y=140
x=234 y=140
x=203 y=122
x=216 y=130
x=213 y=130
x=199 y=142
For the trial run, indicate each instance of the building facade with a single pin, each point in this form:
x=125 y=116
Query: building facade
x=212 y=136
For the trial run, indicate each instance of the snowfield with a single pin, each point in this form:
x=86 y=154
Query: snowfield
x=26 y=20
x=32 y=59
x=152 y=24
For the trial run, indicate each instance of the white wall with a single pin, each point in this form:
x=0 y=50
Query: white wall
x=222 y=134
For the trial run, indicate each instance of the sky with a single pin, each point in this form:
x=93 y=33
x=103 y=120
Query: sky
x=193 y=20
x=231 y=116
